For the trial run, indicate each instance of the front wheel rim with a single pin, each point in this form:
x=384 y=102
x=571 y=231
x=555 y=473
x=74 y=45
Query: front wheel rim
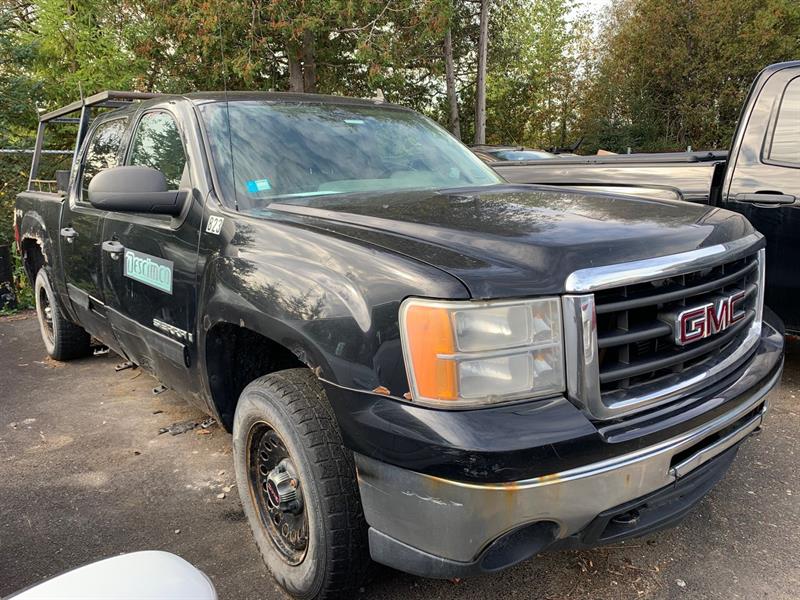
x=277 y=491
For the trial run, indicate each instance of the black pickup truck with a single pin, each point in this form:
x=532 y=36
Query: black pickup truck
x=420 y=363
x=758 y=177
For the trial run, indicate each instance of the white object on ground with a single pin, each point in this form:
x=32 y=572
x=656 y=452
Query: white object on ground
x=149 y=575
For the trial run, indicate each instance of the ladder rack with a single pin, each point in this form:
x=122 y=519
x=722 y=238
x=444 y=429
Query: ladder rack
x=107 y=99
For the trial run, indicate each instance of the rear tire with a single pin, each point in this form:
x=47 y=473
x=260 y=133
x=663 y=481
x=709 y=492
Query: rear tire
x=310 y=527
x=63 y=339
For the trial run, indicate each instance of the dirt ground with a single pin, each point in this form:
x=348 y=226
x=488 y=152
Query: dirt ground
x=85 y=474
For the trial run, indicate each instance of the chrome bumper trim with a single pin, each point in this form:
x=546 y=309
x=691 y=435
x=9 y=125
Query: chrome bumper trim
x=457 y=520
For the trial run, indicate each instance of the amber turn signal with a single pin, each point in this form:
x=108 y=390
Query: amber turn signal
x=429 y=334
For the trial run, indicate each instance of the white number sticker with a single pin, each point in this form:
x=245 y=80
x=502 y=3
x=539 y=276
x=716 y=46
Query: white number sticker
x=214 y=225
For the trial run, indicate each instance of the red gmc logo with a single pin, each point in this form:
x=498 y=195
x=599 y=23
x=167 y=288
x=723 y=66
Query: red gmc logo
x=700 y=322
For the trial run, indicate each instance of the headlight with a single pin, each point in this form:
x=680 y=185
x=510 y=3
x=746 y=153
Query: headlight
x=461 y=354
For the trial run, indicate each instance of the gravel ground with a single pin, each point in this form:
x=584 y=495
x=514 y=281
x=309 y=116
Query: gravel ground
x=86 y=475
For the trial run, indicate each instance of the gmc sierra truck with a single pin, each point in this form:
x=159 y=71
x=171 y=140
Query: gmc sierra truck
x=758 y=177
x=420 y=364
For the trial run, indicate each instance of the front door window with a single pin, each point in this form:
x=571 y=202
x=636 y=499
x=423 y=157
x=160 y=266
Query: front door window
x=157 y=144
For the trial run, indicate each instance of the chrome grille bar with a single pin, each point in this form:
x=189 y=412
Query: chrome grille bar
x=631 y=336
x=622 y=371
x=601 y=278
x=679 y=293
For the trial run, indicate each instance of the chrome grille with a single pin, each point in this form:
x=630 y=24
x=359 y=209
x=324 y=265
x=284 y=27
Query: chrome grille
x=635 y=346
x=626 y=357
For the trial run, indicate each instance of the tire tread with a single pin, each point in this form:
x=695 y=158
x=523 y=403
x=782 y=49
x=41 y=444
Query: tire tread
x=308 y=407
x=70 y=340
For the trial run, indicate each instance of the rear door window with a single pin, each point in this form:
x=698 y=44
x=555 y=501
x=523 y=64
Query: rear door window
x=103 y=150
x=785 y=147
x=157 y=144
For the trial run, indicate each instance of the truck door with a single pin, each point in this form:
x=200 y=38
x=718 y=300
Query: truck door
x=81 y=230
x=765 y=187
x=149 y=261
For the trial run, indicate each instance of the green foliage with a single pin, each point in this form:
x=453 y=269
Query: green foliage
x=18 y=90
x=674 y=73
x=23 y=289
x=13 y=179
x=86 y=45
x=655 y=75
x=359 y=45
x=532 y=72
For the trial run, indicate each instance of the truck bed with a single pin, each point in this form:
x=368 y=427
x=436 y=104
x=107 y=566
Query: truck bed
x=37 y=217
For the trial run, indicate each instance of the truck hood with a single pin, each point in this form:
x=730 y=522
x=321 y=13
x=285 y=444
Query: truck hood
x=518 y=240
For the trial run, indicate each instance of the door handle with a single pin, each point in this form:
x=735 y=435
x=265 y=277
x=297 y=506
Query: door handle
x=114 y=248
x=69 y=234
x=775 y=198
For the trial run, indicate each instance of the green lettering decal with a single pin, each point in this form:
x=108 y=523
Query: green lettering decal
x=149 y=270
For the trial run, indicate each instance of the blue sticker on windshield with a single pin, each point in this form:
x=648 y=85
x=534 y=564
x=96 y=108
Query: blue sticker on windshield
x=258 y=185
x=354 y=121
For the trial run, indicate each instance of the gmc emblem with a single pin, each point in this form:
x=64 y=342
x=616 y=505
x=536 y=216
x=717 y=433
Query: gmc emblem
x=700 y=322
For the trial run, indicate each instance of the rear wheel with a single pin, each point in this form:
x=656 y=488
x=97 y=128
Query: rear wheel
x=63 y=339
x=298 y=486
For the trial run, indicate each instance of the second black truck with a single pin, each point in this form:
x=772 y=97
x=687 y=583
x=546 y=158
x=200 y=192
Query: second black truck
x=759 y=177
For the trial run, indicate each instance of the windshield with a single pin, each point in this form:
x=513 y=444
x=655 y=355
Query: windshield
x=287 y=151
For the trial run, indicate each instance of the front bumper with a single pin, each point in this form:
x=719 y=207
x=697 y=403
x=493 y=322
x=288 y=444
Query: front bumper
x=437 y=527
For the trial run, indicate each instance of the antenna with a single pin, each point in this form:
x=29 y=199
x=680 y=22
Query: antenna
x=228 y=112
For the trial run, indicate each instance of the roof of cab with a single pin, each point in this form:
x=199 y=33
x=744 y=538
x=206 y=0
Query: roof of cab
x=200 y=98
x=207 y=97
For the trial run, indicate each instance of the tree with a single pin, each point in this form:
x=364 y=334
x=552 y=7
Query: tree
x=674 y=73
x=660 y=75
x=480 y=91
x=534 y=72
x=450 y=78
x=86 y=45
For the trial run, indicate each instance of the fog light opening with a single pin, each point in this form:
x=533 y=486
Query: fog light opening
x=518 y=545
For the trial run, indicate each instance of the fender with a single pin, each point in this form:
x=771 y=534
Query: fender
x=44 y=230
x=331 y=300
x=32 y=227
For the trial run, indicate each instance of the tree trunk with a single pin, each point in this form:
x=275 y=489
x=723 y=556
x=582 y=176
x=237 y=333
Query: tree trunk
x=309 y=62
x=452 y=97
x=480 y=92
x=293 y=52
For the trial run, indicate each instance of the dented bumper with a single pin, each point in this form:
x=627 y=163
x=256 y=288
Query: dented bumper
x=437 y=527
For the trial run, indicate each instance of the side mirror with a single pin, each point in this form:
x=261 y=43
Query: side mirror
x=135 y=189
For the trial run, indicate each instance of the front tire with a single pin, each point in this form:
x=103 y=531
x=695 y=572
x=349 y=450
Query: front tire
x=298 y=486
x=63 y=339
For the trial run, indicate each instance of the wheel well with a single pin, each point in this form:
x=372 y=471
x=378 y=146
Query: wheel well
x=235 y=356
x=32 y=258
